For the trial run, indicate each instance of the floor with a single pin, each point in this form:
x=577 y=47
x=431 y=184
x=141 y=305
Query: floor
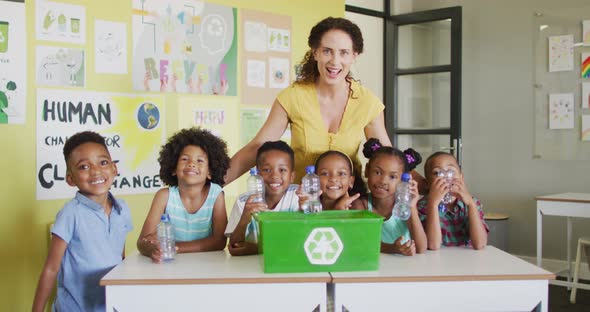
x=559 y=299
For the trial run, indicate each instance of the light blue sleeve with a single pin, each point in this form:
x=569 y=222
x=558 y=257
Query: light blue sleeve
x=65 y=223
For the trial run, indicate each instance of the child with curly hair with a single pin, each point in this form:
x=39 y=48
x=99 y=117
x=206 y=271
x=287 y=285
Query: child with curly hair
x=383 y=172
x=192 y=163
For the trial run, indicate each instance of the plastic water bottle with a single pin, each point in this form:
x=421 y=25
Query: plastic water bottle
x=401 y=209
x=166 y=238
x=448 y=175
x=256 y=186
x=311 y=187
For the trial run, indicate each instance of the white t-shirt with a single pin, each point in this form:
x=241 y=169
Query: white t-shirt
x=289 y=202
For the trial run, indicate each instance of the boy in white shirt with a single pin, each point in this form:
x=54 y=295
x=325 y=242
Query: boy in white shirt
x=275 y=161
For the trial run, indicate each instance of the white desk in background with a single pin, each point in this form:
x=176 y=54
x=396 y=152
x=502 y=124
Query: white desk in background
x=449 y=279
x=569 y=205
x=210 y=281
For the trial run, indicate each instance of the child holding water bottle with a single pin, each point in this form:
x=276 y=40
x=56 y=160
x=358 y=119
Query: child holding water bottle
x=192 y=163
x=459 y=222
x=338 y=189
x=383 y=172
x=275 y=161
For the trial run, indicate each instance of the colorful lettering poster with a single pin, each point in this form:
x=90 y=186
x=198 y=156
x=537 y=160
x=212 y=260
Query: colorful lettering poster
x=586 y=32
x=585 y=68
x=210 y=119
x=561 y=53
x=561 y=111
x=110 y=47
x=184 y=46
x=585 y=127
x=57 y=66
x=585 y=95
x=13 y=63
x=62 y=22
x=131 y=124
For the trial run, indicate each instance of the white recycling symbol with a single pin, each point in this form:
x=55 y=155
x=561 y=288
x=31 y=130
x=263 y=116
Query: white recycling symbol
x=323 y=246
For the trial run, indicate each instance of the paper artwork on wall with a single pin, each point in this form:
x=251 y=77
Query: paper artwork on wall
x=131 y=124
x=60 y=22
x=561 y=111
x=13 y=63
x=64 y=67
x=586 y=32
x=561 y=53
x=585 y=67
x=210 y=119
x=585 y=95
x=110 y=47
x=184 y=46
x=256 y=75
x=279 y=39
x=585 y=127
x=278 y=73
x=251 y=120
x=255 y=36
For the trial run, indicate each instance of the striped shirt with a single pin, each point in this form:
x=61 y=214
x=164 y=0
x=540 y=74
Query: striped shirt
x=454 y=222
x=392 y=228
x=191 y=226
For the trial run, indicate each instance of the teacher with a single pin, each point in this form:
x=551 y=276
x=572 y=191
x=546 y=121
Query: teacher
x=326 y=107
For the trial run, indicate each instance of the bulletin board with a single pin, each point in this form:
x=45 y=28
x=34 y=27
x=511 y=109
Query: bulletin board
x=557 y=83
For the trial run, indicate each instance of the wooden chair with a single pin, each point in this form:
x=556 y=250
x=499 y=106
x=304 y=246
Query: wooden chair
x=585 y=243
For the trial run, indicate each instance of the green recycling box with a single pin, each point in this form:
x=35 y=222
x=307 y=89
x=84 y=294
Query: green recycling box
x=329 y=241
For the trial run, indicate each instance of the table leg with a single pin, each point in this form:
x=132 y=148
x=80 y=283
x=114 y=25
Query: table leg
x=569 y=251
x=539 y=236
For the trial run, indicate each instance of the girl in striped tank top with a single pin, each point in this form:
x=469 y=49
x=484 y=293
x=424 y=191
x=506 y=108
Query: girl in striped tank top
x=383 y=171
x=192 y=163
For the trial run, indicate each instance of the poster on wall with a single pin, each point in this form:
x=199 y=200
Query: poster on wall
x=585 y=103
x=56 y=21
x=585 y=67
x=110 y=47
x=586 y=32
x=266 y=55
x=561 y=53
x=60 y=66
x=561 y=111
x=131 y=124
x=13 y=63
x=184 y=46
x=210 y=119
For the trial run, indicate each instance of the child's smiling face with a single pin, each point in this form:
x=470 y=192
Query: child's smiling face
x=276 y=170
x=192 y=166
x=91 y=169
x=384 y=175
x=335 y=176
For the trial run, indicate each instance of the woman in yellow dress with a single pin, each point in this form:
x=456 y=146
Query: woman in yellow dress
x=326 y=107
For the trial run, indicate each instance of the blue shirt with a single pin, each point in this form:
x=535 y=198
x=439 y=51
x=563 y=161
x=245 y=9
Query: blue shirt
x=95 y=245
x=191 y=226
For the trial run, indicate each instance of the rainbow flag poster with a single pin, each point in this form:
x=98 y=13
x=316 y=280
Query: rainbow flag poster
x=585 y=65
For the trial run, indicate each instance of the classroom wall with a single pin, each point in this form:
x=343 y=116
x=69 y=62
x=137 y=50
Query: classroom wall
x=498 y=115
x=24 y=222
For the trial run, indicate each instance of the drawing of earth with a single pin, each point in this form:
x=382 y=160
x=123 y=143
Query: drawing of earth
x=148 y=116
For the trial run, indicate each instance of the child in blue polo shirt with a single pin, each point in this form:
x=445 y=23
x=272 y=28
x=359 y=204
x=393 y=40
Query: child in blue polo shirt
x=88 y=236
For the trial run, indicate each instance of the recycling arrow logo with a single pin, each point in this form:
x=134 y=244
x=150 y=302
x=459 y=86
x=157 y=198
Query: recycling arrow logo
x=323 y=246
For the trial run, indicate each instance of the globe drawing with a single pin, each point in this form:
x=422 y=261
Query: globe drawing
x=148 y=116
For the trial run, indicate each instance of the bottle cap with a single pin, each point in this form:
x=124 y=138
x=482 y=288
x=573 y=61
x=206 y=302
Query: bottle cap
x=310 y=169
x=406 y=177
x=253 y=171
x=164 y=217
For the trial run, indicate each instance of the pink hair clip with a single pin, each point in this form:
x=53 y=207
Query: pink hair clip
x=375 y=147
x=410 y=158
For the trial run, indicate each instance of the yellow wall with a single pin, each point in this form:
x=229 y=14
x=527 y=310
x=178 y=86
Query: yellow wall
x=24 y=220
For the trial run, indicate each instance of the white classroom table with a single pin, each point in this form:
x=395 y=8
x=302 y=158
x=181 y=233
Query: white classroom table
x=210 y=281
x=569 y=205
x=449 y=279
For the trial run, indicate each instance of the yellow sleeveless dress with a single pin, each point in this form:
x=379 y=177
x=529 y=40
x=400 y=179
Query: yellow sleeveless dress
x=309 y=134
